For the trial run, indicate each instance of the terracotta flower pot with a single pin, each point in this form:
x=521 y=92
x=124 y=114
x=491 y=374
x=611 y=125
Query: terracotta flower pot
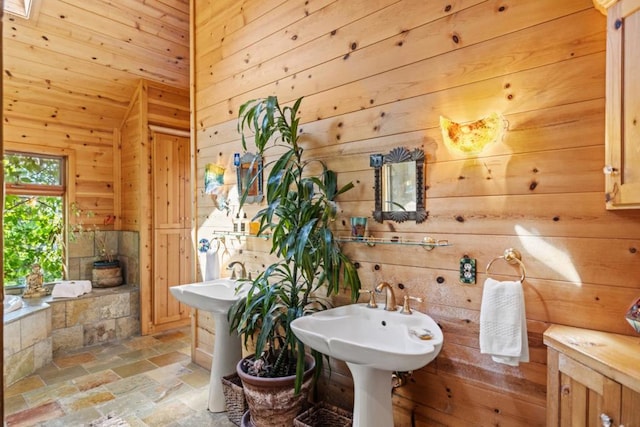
x=271 y=401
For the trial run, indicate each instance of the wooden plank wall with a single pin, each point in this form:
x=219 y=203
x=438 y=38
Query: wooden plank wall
x=89 y=150
x=377 y=74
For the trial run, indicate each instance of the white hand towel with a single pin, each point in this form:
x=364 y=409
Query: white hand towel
x=71 y=288
x=211 y=265
x=503 y=324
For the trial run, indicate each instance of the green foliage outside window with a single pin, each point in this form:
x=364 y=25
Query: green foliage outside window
x=33 y=231
x=32 y=169
x=33 y=224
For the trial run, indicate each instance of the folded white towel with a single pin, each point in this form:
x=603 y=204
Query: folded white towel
x=211 y=265
x=71 y=288
x=503 y=323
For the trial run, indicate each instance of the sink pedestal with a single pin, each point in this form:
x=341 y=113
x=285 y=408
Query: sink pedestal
x=227 y=351
x=372 y=396
x=374 y=343
x=215 y=297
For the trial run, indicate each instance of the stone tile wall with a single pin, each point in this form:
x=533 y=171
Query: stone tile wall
x=101 y=316
x=27 y=343
x=84 y=250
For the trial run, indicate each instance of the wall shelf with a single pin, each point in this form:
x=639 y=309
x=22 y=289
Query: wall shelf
x=428 y=242
x=221 y=236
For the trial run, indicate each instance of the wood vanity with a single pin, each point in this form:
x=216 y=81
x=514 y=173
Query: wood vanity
x=593 y=378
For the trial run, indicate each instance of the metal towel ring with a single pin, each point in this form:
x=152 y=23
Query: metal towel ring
x=511 y=256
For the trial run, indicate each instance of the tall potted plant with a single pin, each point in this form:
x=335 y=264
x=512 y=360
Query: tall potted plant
x=310 y=266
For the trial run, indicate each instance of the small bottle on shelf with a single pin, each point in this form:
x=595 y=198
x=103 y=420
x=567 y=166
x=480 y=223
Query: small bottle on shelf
x=236 y=223
x=243 y=223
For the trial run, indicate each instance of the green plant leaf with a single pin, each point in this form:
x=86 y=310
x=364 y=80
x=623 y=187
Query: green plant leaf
x=298 y=217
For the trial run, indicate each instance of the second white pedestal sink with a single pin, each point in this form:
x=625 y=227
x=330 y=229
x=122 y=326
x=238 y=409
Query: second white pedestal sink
x=374 y=343
x=216 y=297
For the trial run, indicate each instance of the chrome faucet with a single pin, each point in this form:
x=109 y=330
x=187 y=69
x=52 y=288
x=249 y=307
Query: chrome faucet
x=390 y=302
x=243 y=271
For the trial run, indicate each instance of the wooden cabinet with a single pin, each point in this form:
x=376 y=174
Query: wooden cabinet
x=172 y=254
x=153 y=178
x=622 y=159
x=593 y=378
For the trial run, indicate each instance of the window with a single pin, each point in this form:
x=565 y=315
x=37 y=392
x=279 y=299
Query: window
x=33 y=216
x=21 y=8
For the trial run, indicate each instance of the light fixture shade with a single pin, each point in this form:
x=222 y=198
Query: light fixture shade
x=471 y=138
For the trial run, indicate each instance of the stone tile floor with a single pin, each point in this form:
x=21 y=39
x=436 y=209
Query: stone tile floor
x=146 y=381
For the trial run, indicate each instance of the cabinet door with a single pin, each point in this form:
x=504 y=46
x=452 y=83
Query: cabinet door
x=171 y=181
x=630 y=408
x=584 y=395
x=171 y=261
x=623 y=106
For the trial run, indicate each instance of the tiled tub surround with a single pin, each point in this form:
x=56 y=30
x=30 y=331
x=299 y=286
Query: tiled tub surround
x=27 y=340
x=46 y=327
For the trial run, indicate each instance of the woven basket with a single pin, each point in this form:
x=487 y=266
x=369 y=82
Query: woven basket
x=323 y=415
x=234 y=398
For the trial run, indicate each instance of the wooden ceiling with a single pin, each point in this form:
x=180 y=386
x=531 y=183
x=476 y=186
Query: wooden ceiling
x=76 y=63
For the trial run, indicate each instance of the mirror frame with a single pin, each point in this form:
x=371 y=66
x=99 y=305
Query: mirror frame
x=398 y=155
x=254 y=162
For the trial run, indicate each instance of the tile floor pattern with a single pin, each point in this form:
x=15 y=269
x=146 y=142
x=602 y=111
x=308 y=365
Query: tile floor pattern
x=147 y=381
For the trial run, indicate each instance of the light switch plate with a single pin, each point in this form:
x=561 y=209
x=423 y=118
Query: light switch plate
x=467 y=270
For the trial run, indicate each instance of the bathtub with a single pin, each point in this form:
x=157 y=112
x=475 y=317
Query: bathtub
x=12 y=303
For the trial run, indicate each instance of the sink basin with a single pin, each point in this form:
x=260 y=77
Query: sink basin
x=371 y=337
x=216 y=296
x=374 y=343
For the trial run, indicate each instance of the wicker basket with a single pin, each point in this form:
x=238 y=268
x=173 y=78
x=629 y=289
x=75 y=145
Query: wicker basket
x=323 y=415
x=234 y=398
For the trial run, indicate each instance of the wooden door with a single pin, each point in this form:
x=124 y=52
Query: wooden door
x=172 y=247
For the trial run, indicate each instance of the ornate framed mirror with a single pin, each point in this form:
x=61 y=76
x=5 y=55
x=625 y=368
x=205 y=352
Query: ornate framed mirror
x=399 y=185
x=249 y=174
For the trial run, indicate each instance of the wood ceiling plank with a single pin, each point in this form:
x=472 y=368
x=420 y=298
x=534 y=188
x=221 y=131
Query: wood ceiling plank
x=74 y=16
x=52 y=114
x=91 y=57
x=95 y=85
x=41 y=95
x=174 y=13
x=23 y=132
x=136 y=19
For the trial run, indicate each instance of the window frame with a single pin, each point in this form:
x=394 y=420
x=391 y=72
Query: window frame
x=29 y=189
x=67 y=190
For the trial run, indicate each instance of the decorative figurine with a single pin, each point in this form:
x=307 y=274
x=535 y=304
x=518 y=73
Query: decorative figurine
x=34 y=283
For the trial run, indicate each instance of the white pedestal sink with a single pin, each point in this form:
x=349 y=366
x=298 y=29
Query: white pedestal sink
x=374 y=343
x=216 y=297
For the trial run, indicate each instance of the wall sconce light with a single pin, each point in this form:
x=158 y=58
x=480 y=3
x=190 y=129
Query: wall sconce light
x=471 y=138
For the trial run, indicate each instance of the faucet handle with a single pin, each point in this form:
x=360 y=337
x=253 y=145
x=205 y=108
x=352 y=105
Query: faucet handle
x=372 y=297
x=406 y=307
